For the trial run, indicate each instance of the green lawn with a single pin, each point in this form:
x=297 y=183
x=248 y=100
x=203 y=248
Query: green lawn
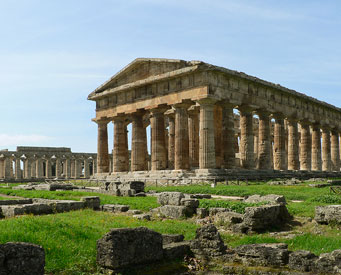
x=69 y=239
x=140 y=203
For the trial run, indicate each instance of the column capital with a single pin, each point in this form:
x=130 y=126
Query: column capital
x=193 y=110
x=207 y=101
x=305 y=122
x=226 y=104
x=101 y=122
x=158 y=110
x=245 y=108
x=278 y=115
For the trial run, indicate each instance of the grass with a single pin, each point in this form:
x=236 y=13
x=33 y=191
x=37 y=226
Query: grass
x=296 y=192
x=69 y=239
x=236 y=206
x=140 y=203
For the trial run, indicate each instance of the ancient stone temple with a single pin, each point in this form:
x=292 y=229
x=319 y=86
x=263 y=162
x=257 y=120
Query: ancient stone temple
x=37 y=163
x=208 y=120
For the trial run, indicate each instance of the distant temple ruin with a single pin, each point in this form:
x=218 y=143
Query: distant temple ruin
x=191 y=110
x=28 y=163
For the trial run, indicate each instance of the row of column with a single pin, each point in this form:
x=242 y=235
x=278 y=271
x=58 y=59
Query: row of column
x=204 y=138
x=46 y=168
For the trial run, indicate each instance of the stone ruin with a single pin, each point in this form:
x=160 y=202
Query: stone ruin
x=124 y=247
x=190 y=107
x=125 y=189
x=328 y=214
x=17 y=258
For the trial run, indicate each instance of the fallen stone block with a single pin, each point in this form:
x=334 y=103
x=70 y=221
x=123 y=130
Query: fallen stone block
x=173 y=211
x=13 y=202
x=273 y=199
x=141 y=217
x=172 y=238
x=302 y=260
x=328 y=214
x=134 y=212
x=202 y=213
x=328 y=263
x=207 y=242
x=176 y=250
x=23 y=209
x=170 y=198
x=275 y=255
x=124 y=247
x=198 y=196
x=115 y=208
x=215 y=210
x=228 y=217
x=92 y=202
x=21 y=258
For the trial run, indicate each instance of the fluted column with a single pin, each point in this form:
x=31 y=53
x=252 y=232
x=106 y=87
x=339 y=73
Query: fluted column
x=18 y=174
x=67 y=168
x=247 y=159
x=27 y=168
x=293 y=145
x=86 y=168
x=120 y=151
x=33 y=168
x=137 y=144
x=228 y=137
x=279 y=143
x=59 y=168
x=48 y=169
x=264 y=141
x=193 y=133
x=335 y=151
x=171 y=139
x=305 y=150
x=316 y=161
x=181 y=159
x=157 y=124
x=326 y=158
x=8 y=168
x=207 y=158
x=102 y=148
x=39 y=168
x=218 y=125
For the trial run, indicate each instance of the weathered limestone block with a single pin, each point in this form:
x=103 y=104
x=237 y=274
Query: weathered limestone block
x=273 y=199
x=141 y=217
x=92 y=202
x=228 y=217
x=274 y=255
x=327 y=214
x=170 y=198
x=129 y=246
x=302 y=260
x=198 y=196
x=329 y=263
x=262 y=218
x=115 y=208
x=215 y=210
x=207 y=242
x=202 y=213
x=174 y=211
x=172 y=238
x=35 y=209
x=134 y=212
x=176 y=250
x=14 y=202
x=191 y=204
x=17 y=258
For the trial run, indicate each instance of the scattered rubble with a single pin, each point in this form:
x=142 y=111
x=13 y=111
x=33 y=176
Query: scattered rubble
x=328 y=214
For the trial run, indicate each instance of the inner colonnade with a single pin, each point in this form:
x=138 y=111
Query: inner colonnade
x=191 y=109
x=29 y=163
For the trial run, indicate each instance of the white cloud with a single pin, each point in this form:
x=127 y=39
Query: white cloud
x=17 y=140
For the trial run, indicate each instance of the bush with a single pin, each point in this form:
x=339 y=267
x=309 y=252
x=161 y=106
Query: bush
x=327 y=199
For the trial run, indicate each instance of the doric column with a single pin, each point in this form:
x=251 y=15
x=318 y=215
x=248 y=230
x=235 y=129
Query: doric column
x=293 y=145
x=39 y=168
x=326 y=159
x=247 y=159
x=58 y=168
x=316 y=161
x=157 y=125
x=171 y=139
x=86 y=168
x=147 y=160
x=48 y=169
x=335 y=151
x=264 y=141
x=193 y=135
x=33 y=168
x=67 y=168
x=27 y=168
x=17 y=174
x=138 y=157
x=305 y=150
x=77 y=169
x=207 y=158
x=218 y=125
x=8 y=168
x=102 y=148
x=228 y=137
x=279 y=143
x=181 y=160
x=120 y=151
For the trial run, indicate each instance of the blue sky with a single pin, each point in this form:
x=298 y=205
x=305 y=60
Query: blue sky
x=54 y=53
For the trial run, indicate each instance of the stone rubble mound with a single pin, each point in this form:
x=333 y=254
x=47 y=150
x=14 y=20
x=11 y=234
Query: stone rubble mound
x=272 y=198
x=124 y=189
x=47 y=186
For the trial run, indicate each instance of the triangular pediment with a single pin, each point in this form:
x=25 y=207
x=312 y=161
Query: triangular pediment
x=142 y=68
